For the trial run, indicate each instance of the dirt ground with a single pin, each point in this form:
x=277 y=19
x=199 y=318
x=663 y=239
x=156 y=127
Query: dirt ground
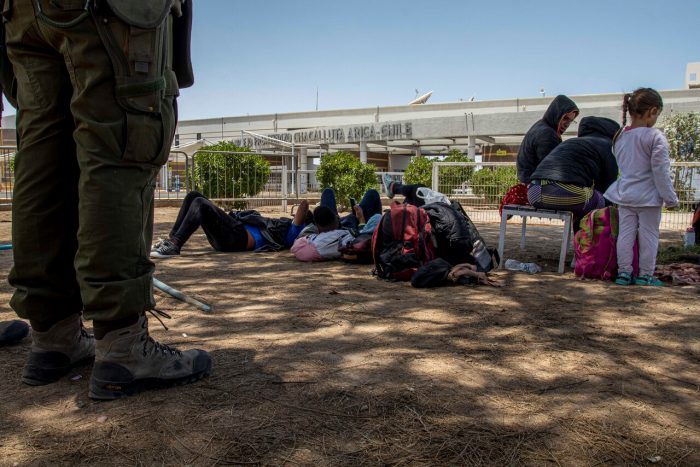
x=322 y=364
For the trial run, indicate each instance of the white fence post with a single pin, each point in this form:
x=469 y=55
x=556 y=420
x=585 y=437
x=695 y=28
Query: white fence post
x=435 y=177
x=284 y=188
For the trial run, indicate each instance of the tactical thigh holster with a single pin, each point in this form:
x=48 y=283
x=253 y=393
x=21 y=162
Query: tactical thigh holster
x=137 y=35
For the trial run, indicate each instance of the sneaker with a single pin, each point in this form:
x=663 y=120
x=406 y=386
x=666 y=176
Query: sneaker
x=387 y=181
x=11 y=332
x=648 y=279
x=157 y=244
x=623 y=278
x=129 y=361
x=166 y=249
x=54 y=352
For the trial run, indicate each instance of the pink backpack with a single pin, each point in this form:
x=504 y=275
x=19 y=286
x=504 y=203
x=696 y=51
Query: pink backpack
x=596 y=245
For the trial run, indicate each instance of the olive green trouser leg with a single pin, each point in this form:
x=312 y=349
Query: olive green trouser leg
x=82 y=210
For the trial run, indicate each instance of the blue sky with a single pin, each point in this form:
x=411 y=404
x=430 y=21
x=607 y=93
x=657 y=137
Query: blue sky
x=268 y=56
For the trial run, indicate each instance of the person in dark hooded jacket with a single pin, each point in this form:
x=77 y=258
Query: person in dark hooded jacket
x=574 y=176
x=233 y=231
x=544 y=136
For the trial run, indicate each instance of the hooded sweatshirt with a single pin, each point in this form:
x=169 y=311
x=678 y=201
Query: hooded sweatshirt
x=586 y=161
x=542 y=137
x=645 y=170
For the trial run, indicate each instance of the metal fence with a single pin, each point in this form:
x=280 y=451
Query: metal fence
x=243 y=180
x=7 y=173
x=479 y=187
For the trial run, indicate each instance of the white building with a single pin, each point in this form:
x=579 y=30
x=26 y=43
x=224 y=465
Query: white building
x=692 y=75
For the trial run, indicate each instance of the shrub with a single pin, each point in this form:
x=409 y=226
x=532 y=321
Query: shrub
x=420 y=170
x=452 y=178
x=229 y=175
x=493 y=182
x=683 y=134
x=347 y=176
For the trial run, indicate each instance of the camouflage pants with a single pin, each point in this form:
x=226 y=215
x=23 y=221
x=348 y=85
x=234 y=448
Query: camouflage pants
x=96 y=116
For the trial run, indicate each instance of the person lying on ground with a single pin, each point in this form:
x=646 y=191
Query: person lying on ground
x=409 y=192
x=574 y=176
x=329 y=233
x=232 y=231
x=544 y=136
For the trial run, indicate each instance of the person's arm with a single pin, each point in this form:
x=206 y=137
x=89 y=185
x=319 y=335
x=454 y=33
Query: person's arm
x=545 y=144
x=371 y=224
x=661 y=170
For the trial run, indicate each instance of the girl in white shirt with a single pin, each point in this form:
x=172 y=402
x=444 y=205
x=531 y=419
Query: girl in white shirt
x=644 y=185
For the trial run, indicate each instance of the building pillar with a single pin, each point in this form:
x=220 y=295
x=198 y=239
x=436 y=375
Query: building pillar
x=471 y=148
x=303 y=166
x=363 y=152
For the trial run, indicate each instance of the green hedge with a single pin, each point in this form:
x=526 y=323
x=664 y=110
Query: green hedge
x=348 y=177
x=229 y=175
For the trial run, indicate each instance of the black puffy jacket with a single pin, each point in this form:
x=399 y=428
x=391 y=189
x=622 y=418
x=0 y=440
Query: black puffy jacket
x=586 y=160
x=542 y=137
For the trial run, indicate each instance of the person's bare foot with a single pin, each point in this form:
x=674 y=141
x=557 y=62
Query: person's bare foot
x=300 y=215
x=359 y=214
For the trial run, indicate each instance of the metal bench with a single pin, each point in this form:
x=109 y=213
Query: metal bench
x=529 y=211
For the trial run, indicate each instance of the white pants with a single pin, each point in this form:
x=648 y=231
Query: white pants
x=638 y=224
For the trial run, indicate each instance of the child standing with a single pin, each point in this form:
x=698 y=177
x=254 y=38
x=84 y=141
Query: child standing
x=643 y=186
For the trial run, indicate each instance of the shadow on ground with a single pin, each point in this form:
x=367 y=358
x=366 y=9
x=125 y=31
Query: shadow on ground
x=321 y=364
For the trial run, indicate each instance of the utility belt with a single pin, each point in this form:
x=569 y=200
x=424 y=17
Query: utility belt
x=149 y=47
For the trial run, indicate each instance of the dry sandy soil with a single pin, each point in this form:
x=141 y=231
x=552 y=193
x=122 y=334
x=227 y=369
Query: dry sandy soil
x=322 y=364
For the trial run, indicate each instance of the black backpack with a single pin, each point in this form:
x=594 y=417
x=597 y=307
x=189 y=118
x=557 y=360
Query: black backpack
x=456 y=235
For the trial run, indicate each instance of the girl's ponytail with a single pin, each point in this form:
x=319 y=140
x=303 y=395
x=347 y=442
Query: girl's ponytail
x=625 y=108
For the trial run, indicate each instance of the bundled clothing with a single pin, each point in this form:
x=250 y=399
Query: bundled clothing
x=575 y=173
x=542 y=137
x=323 y=246
x=644 y=185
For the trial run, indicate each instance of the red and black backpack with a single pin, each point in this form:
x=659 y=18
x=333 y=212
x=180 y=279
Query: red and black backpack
x=402 y=242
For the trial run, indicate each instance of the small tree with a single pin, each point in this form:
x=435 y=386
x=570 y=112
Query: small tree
x=454 y=177
x=493 y=182
x=229 y=174
x=420 y=170
x=348 y=177
x=683 y=134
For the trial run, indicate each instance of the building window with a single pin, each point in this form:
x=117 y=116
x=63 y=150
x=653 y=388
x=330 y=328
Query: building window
x=693 y=77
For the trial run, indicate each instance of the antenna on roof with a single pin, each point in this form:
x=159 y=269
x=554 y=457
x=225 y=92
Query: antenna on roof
x=422 y=99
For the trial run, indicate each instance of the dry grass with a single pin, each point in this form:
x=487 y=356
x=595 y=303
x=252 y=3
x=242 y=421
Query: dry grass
x=324 y=365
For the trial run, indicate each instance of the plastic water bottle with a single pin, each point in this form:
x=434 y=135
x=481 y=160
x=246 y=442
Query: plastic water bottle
x=481 y=255
x=515 y=265
x=689 y=237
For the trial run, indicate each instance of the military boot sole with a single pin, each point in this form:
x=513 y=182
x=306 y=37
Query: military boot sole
x=48 y=367
x=122 y=386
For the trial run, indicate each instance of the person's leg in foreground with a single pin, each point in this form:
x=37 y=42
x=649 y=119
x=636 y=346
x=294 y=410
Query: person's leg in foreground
x=83 y=204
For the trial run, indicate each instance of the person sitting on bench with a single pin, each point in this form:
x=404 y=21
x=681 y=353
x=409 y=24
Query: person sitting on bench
x=574 y=176
x=233 y=231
